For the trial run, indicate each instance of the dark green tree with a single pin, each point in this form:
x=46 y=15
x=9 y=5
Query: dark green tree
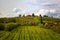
x=24 y=15
x=33 y=14
x=45 y=16
x=41 y=21
x=20 y=15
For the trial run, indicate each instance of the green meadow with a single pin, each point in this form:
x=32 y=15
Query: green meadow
x=30 y=28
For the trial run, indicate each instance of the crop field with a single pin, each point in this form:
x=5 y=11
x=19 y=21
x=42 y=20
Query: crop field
x=29 y=33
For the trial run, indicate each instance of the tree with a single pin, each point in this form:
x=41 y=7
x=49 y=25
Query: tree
x=24 y=15
x=41 y=21
x=33 y=14
x=20 y=15
x=45 y=16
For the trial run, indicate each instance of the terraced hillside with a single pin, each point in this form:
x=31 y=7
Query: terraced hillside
x=29 y=33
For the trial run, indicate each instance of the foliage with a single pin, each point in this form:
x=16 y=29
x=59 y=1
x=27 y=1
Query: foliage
x=7 y=20
x=2 y=26
x=41 y=21
x=27 y=21
x=11 y=26
x=33 y=14
x=6 y=23
x=45 y=16
x=29 y=28
x=20 y=15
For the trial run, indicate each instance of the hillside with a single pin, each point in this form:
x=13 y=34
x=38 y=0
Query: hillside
x=30 y=28
x=48 y=22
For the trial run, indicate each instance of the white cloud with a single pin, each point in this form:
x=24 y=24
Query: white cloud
x=49 y=12
x=45 y=11
x=16 y=10
x=52 y=11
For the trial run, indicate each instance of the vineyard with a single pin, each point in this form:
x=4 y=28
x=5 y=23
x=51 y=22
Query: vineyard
x=29 y=33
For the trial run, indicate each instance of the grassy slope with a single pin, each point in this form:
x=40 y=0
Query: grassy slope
x=29 y=33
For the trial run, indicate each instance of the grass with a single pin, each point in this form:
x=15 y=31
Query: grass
x=29 y=33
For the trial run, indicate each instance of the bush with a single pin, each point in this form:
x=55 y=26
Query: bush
x=1 y=26
x=45 y=16
x=11 y=26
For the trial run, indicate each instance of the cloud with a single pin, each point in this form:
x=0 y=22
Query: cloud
x=29 y=6
x=42 y=12
x=48 y=12
x=48 y=4
x=16 y=10
x=45 y=11
x=52 y=11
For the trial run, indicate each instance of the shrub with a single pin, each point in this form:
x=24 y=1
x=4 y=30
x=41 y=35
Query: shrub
x=1 y=26
x=45 y=16
x=11 y=26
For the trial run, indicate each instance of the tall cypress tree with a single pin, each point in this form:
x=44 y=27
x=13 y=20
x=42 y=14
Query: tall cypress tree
x=41 y=21
x=33 y=14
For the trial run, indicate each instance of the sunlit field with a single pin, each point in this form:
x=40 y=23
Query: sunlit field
x=29 y=33
x=29 y=28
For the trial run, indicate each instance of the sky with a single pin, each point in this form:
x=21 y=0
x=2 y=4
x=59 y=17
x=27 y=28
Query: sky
x=11 y=8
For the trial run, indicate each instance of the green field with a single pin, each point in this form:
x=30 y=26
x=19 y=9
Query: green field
x=29 y=33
